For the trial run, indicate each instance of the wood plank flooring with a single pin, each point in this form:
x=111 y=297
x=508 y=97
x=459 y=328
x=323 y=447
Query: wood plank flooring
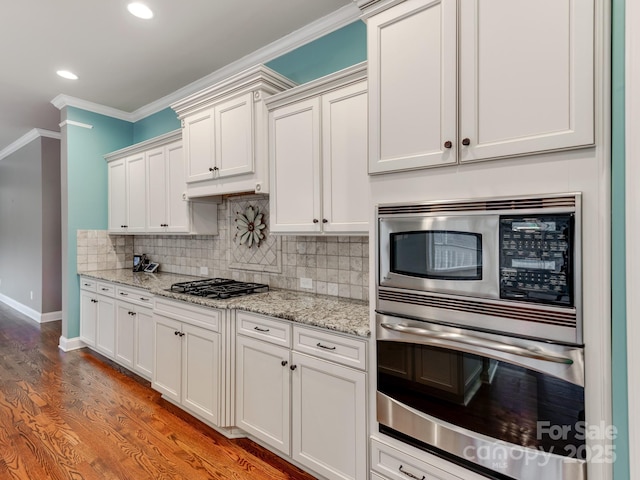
x=78 y=416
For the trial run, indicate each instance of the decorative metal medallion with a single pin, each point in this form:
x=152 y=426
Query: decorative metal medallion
x=250 y=226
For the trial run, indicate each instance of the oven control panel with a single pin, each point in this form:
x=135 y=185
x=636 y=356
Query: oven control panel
x=536 y=258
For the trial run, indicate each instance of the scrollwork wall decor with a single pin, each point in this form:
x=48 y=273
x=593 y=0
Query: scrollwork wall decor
x=249 y=227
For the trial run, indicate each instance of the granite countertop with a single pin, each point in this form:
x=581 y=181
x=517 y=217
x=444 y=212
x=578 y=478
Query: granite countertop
x=333 y=313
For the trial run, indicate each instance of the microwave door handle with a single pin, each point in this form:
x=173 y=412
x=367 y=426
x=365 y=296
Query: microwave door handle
x=478 y=342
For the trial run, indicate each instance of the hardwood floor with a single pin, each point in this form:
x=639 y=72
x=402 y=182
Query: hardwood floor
x=78 y=416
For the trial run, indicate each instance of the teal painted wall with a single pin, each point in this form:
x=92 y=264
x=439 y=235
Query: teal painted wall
x=87 y=188
x=618 y=268
x=335 y=51
x=154 y=125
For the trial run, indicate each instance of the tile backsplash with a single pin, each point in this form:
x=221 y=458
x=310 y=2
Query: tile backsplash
x=337 y=265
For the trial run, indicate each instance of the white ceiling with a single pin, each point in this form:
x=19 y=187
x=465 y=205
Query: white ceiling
x=124 y=62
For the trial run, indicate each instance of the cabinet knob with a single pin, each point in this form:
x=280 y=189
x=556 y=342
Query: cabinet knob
x=211 y=169
x=324 y=220
x=182 y=334
x=293 y=367
x=284 y=363
x=466 y=142
x=315 y=220
x=448 y=144
x=176 y=333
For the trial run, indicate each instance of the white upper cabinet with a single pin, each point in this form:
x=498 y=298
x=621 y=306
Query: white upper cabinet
x=224 y=133
x=147 y=191
x=318 y=156
x=477 y=80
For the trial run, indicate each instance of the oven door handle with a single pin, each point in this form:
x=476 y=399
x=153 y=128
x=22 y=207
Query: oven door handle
x=534 y=353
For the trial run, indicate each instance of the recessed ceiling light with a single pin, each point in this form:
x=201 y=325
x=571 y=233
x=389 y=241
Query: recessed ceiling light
x=140 y=10
x=67 y=74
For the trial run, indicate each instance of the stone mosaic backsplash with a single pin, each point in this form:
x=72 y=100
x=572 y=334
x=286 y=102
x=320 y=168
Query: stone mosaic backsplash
x=337 y=265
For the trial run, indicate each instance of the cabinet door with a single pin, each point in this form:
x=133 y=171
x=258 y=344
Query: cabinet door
x=177 y=206
x=345 y=181
x=156 y=190
x=167 y=362
x=125 y=334
x=106 y=326
x=201 y=372
x=117 y=178
x=143 y=348
x=88 y=314
x=197 y=136
x=233 y=123
x=412 y=85
x=524 y=89
x=329 y=413
x=263 y=392
x=294 y=145
x=136 y=193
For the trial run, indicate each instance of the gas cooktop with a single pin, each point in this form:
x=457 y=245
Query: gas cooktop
x=218 y=288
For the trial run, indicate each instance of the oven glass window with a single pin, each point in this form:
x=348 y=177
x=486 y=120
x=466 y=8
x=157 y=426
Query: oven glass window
x=494 y=398
x=437 y=254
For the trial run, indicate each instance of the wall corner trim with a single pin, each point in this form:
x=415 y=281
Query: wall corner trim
x=62 y=101
x=74 y=123
x=27 y=138
x=68 y=344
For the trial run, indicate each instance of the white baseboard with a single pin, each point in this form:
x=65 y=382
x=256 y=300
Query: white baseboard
x=68 y=344
x=30 y=312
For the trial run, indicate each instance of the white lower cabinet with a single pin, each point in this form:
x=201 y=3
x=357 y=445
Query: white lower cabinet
x=187 y=359
x=392 y=464
x=88 y=316
x=310 y=408
x=134 y=342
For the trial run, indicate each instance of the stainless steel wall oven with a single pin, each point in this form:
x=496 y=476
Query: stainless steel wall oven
x=478 y=332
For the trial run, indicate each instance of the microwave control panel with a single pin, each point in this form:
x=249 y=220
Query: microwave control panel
x=536 y=258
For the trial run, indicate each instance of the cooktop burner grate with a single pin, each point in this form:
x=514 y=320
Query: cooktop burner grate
x=218 y=288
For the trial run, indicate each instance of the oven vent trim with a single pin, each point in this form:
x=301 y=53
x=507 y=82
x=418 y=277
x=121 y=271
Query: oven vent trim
x=498 y=309
x=541 y=203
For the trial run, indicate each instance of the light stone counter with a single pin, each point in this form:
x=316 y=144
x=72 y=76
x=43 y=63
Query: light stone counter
x=333 y=313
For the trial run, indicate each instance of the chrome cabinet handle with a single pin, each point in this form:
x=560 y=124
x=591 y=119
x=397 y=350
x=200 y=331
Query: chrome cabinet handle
x=479 y=342
x=409 y=474
x=261 y=329
x=324 y=346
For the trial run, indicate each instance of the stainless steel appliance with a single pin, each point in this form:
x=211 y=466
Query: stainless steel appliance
x=218 y=288
x=510 y=265
x=478 y=333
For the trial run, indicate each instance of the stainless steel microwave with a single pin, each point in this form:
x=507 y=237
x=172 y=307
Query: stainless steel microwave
x=511 y=265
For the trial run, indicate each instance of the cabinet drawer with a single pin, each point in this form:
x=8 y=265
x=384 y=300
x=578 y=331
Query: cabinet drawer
x=263 y=328
x=208 y=318
x=88 y=284
x=396 y=465
x=134 y=295
x=106 y=289
x=336 y=348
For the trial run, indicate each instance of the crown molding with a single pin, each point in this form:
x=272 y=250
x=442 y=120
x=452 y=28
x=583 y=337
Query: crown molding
x=74 y=123
x=27 y=138
x=154 y=142
x=62 y=101
x=323 y=26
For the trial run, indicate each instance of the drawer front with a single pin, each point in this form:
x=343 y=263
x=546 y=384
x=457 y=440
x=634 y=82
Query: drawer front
x=204 y=317
x=396 y=465
x=135 y=296
x=106 y=289
x=329 y=346
x=88 y=284
x=264 y=328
